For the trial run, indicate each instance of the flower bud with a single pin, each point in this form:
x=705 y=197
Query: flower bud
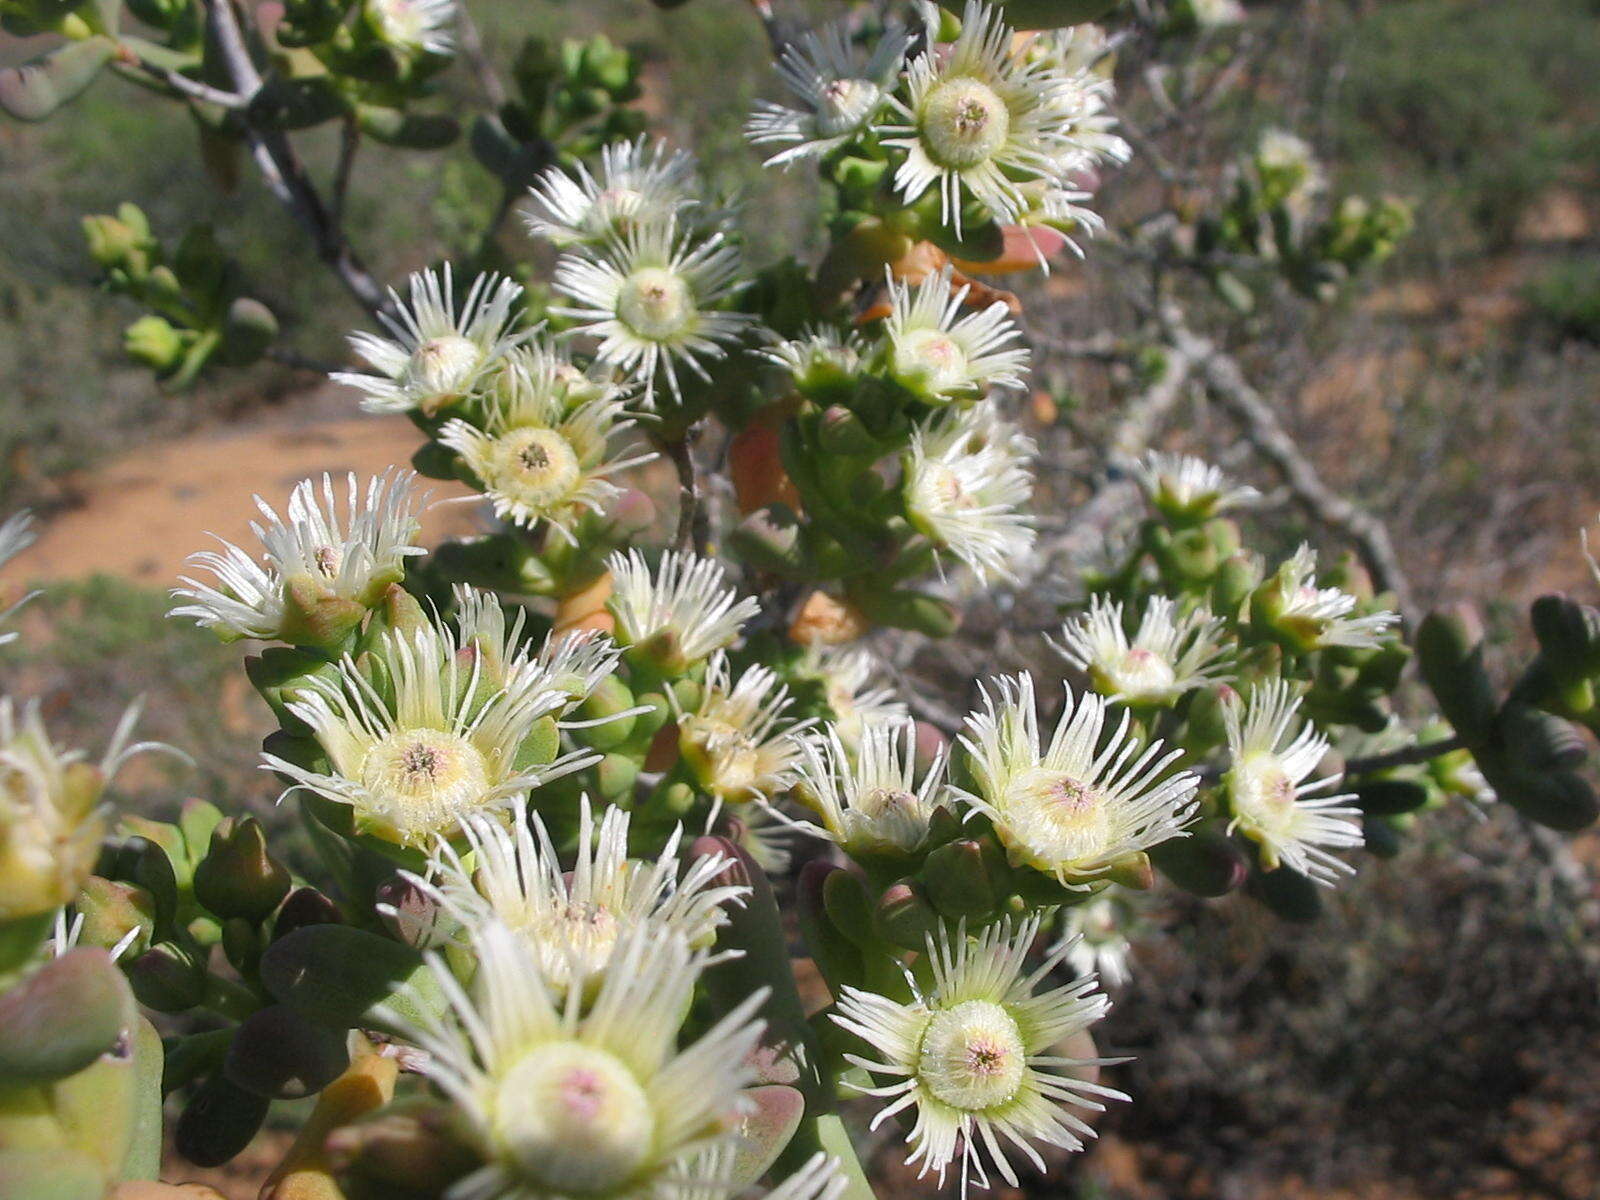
x=111 y=911
x=168 y=978
x=238 y=877
x=153 y=341
x=772 y=539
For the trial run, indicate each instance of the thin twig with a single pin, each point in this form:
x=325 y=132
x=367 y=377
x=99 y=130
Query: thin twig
x=1263 y=430
x=689 y=518
x=1406 y=756
x=285 y=177
x=349 y=143
x=478 y=58
x=187 y=88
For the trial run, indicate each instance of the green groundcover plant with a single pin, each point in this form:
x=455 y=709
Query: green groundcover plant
x=582 y=788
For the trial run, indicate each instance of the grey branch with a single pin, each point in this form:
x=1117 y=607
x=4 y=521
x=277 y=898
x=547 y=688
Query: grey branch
x=1265 y=432
x=282 y=171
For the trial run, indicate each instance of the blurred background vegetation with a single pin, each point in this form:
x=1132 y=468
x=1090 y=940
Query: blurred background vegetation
x=1435 y=1034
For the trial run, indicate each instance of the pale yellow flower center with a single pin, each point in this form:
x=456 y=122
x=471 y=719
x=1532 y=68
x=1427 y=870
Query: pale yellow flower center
x=1264 y=795
x=426 y=777
x=972 y=1056
x=536 y=466
x=1058 y=820
x=1141 y=674
x=572 y=937
x=964 y=123
x=655 y=303
x=574 y=1120
x=845 y=104
x=442 y=365
x=932 y=357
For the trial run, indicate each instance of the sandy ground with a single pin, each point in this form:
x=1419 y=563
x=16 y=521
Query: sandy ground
x=144 y=513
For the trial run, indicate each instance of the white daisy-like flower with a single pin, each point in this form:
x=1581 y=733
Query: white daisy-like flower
x=820 y=360
x=1317 y=618
x=652 y=297
x=51 y=818
x=440 y=742
x=1269 y=781
x=846 y=674
x=839 y=88
x=566 y=1100
x=981 y=118
x=414 y=26
x=1072 y=54
x=868 y=798
x=1167 y=655
x=1288 y=167
x=1215 y=14
x=538 y=457
x=1183 y=487
x=640 y=184
x=1092 y=936
x=978 y=1054
x=438 y=354
x=966 y=487
x=16 y=535
x=941 y=355
x=314 y=557
x=573 y=920
x=678 y=613
x=737 y=741
x=1074 y=807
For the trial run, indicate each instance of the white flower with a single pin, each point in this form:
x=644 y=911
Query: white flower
x=737 y=741
x=845 y=675
x=978 y=1055
x=763 y=833
x=941 y=355
x=439 y=741
x=1214 y=14
x=1093 y=940
x=437 y=355
x=682 y=611
x=982 y=118
x=565 y=1100
x=819 y=360
x=839 y=88
x=869 y=799
x=1320 y=617
x=1167 y=656
x=1267 y=786
x=574 y=920
x=538 y=456
x=966 y=487
x=1288 y=168
x=16 y=535
x=1188 y=488
x=1072 y=53
x=651 y=297
x=314 y=556
x=416 y=26
x=51 y=818
x=1076 y=806
x=640 y=184
x=714 y=1176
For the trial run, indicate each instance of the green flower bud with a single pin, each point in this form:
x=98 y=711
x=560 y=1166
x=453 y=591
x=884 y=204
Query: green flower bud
x=153 y=341
x=239 y=877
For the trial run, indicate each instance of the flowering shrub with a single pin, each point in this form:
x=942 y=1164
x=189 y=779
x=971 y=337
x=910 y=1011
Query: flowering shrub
x=556 y=777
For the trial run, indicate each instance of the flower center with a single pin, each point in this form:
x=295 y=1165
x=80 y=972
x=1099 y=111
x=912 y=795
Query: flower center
x=1059 y=820
x=399 y=21
x=574 y=1119
x=328 y=560
x=932 y=358
x=572 y=939
x=425 y=778
x=1141 y=675
x=845 y=104
x=972 y=1056
x=1264 y=795
x=442 y=365
x=655 y=303
x=537 y=466
x=888 y=816
x=964 y=123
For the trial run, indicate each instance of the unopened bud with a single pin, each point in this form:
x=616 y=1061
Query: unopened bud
x=238 y=876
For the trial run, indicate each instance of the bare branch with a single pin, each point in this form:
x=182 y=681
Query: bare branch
x=1264 y=431
x=478 y=58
